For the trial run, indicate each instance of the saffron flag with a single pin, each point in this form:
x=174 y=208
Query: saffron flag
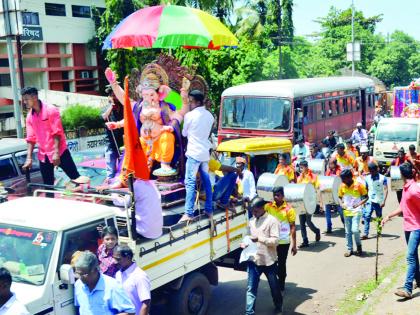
x=135 y=161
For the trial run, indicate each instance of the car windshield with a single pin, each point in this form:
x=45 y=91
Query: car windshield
x=256 y=113
x=397 y=132
x=26 y=252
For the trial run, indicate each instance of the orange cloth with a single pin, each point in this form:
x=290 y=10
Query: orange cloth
x=135 y=161
x=162 y=149
x=308 y=177
x=361 y=166
x=286 y=171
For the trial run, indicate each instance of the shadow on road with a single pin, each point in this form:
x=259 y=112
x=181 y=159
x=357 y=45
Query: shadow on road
x=317 y=247
x=295 y=296
x=390 y=236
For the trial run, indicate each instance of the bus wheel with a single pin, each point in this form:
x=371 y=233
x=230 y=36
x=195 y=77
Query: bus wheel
x=193 y=296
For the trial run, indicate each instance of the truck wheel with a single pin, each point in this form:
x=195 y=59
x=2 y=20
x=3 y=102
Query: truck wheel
x=193 y=296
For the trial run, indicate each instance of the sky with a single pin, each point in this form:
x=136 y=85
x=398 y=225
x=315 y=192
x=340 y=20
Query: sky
x=401 y=15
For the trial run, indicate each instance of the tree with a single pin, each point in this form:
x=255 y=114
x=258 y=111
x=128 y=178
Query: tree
x=396 y=64
x=251 y=19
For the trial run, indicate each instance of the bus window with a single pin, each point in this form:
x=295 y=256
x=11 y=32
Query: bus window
x=256 y=113
x=328 y=106
x=340 y=109
x=308 y=114
x=320 y=111
x=357 y=103
x=350 y=104
x=345 y=107
x=335 y=107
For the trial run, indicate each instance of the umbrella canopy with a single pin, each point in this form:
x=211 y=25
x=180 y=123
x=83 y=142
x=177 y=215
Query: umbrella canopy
x=170 y=27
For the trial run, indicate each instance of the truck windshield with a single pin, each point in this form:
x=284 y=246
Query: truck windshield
x=256 y=113
x=397 y=132
x=26 y=252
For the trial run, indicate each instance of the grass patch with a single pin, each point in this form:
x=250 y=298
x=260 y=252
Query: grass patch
x=350 y=305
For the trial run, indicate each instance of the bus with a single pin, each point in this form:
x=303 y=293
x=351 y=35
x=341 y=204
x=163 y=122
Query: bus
x=290 y=108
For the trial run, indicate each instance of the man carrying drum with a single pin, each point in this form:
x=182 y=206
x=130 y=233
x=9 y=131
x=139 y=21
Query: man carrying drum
x=283 y=168
x=333 y=170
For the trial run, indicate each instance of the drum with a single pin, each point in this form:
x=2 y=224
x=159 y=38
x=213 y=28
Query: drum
x=396 y=180
x=302 y=197
x=266 y=183
x=328 y=187
x=317 y=166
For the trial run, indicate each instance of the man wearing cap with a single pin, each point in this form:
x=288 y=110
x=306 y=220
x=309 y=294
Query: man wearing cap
x=359 y=135
x=361 y=163
x=197 y=127
x=43 y=127
x=300 y=150
x=246 y=180
x=377 y=187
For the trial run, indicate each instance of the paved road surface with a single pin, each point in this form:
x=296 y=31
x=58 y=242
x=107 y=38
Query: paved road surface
x=318 y=276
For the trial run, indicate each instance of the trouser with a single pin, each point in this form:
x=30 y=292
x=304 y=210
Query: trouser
x=254 y=274
x=111 y=158
x=413 y=273
x=282 y=252
x=328 y=215
x=367 y=214
x=192 y=168
x=66 y=164
x=352 y=229
x=399 y=195
x=224 y=187
x=303 y=220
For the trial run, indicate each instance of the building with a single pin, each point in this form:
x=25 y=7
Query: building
x=55 y=54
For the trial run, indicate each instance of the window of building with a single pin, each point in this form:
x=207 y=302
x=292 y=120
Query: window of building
x=4 y=62
x=5 y=79
x=80 y=11
x=30 y=18
x=55 y=9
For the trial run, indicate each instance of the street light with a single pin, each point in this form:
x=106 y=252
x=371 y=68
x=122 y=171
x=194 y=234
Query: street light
x=11 y=26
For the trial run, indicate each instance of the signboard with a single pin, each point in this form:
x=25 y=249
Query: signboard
x=86 y=143
x=356 y=51
x=32 y=33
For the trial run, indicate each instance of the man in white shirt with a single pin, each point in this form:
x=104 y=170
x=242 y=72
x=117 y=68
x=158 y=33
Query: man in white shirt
x=300 y=150
x=246 y=180
x=9 y=305
x=197 y=127
x=134 y=280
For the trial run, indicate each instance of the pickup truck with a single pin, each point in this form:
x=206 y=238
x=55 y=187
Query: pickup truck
x=38 y=235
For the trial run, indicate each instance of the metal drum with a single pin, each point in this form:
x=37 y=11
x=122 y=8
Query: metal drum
x=302 y=197
x=396 y=180
x=317 y=166
x=266 y=183
x=328 y=187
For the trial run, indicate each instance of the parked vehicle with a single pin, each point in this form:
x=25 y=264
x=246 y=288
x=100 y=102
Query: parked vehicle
x=13 y=154
x=288 y=108
x=393 y=134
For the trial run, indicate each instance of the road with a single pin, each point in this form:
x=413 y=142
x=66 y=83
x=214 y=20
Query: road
x=318 y=276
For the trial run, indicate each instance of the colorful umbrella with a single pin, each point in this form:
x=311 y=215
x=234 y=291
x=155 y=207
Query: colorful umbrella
x=170 y=27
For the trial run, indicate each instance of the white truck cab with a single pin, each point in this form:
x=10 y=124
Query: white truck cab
x=393 y=134
x=38 y=236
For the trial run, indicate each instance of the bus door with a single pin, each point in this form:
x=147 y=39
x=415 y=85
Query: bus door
x=297 y=119
x=363 y=105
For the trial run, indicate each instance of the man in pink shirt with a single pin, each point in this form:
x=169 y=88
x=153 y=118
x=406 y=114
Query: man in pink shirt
x=410 y=208
x=43 y=127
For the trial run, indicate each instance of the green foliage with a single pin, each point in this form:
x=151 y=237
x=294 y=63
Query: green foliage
x=76 y=116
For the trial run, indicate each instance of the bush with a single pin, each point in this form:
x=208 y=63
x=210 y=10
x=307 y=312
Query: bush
x=78 y=115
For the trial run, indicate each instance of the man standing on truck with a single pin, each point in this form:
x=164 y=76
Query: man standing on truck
x=264 y=231
x=134 y=280
x=198 y=123
x=9 y=305
x=98 y=294
x=43 y=127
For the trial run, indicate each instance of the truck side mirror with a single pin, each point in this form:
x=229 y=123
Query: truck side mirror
x=67 y=274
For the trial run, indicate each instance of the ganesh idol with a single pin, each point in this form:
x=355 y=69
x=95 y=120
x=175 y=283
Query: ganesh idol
x=158 y=122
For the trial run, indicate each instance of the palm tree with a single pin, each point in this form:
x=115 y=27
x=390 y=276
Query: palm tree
x=251 y=18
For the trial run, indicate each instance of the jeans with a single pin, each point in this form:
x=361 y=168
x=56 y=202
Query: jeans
x=303 y=220
x=352 y=228
x=367 y=214
x=191 y=169
x=254 y=274
x=413 y=273
x=282 y=252
x=224 y=187
x=66 y=164
x=328 y=215
x=111 y=158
